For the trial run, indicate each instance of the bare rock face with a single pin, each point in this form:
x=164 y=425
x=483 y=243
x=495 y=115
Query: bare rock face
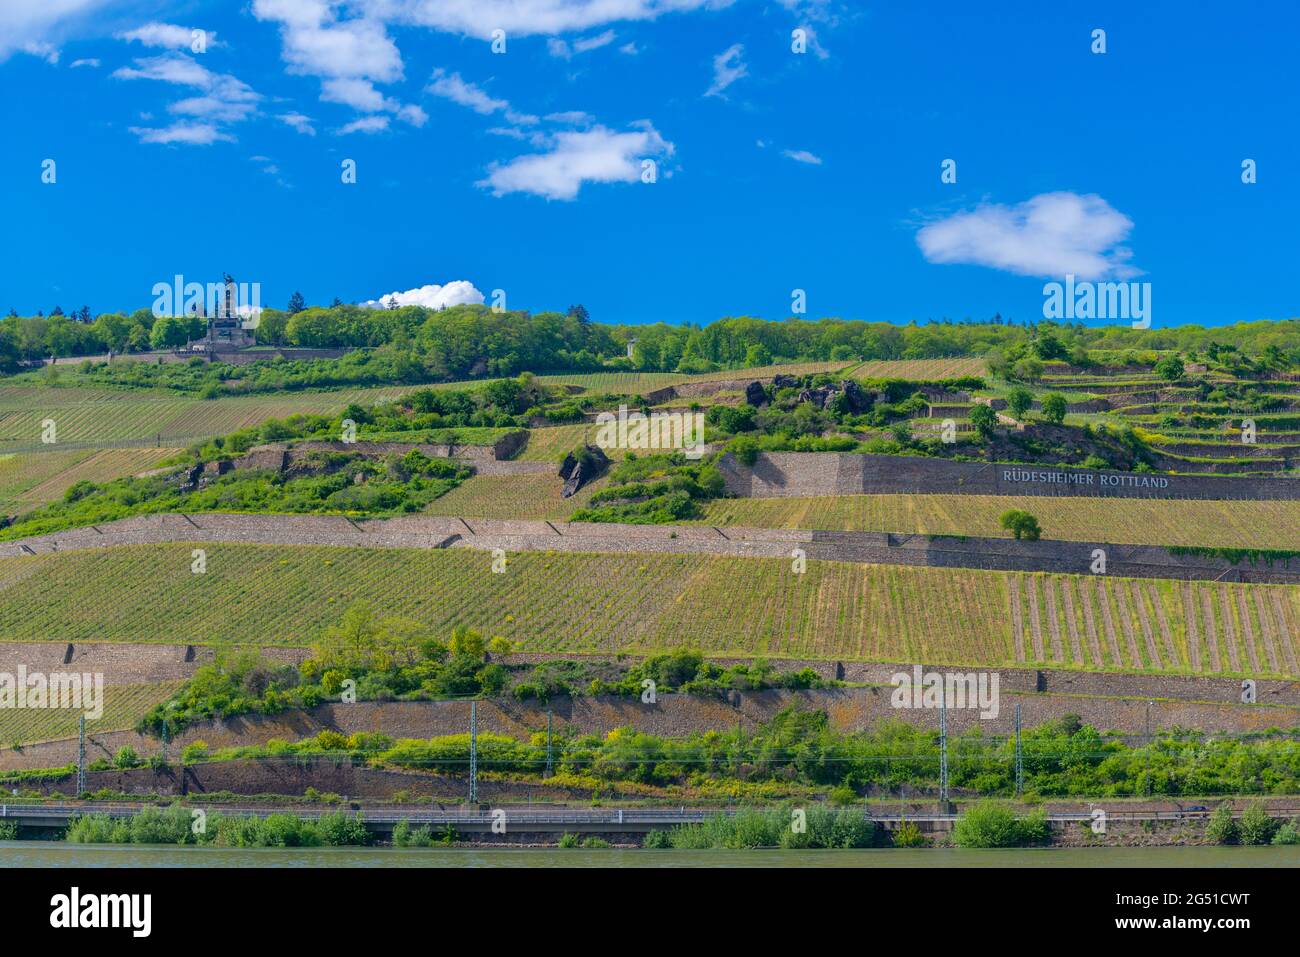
x=579 y=469
x=784 y=381
x=755 y=395
x=858 y=399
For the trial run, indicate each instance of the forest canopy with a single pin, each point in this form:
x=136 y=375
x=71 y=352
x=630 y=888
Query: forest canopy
x=469 y=341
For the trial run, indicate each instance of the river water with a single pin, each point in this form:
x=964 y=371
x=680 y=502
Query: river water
x=58 y=854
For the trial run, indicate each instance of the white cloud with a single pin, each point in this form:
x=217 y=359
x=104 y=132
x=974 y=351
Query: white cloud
x=566 y=51
x=302 y=124
x=728 y=67
x=478 y=18
x=89 y=61
x=224 y=99
x=598 y=155
x=350 y=56
x=38 y=25
x=358 y=94
x=45 y=51
x=190 y=134
x=801 y=156
x=169 y=36
x=367 y=124
x=315 y=43
x=451 y=86
x=455 y=293
x=1048 y=235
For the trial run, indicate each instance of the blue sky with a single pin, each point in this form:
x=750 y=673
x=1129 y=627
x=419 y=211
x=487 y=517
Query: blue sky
x=776 y=170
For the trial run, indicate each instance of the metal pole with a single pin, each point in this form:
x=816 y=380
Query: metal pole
x=943 y=749
x=81 y=756
x=473 y=752
x=550 y=758
x=1020 y=757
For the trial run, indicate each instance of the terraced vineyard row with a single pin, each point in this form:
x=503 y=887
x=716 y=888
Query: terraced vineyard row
x=1153 y=625
x=523 y=497
x=552 y=443
x=20 y=473
x=920 y=369
x=1243 y=524
x=124 y=705
x=104 y=417
x=99 y=466
x=638 y=603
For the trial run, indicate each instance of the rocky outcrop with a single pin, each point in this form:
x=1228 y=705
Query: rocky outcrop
x=581 y=467
x=857 y=398
x=755 y=394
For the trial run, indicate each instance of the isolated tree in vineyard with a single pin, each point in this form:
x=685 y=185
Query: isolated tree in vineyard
x=1170 y=368
x=1019 y=400
x=984 y=419
x=1021 y=525
x=1054 y=407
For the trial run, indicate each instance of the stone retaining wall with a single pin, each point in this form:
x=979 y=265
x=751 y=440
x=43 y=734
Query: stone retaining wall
x=789 y=474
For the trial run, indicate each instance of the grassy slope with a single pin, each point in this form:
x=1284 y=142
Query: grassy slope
x=638 y=603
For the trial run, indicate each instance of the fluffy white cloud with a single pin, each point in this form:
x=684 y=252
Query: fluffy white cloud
x=350 y=57
x=169 y=36
x=1048 y=235
x=456 y=293
x=478 y=18
x=598 y=155
x=92 y=62
x=223 y=98
x=316 y=43
x=800 y=156
x=36 y=26
x=728 y=67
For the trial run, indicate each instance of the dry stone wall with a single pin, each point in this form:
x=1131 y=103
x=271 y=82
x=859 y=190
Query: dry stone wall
x=786 y=474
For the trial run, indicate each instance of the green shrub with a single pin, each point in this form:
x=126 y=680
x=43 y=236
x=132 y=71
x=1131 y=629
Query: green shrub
x=8 y=830
x=657 y=840
x=843 y=795
x=194 y=753
x=126 y=758
x=1288 y=833
x=993 y=824
x=908 y=834
x=1256 y=825
x=568 y=840
x=1222 y=829
x=342 y=830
